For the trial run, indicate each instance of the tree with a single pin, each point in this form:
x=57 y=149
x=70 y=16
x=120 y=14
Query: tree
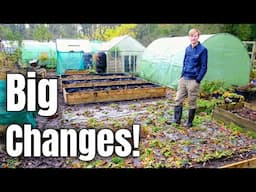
x=41 y=33
x=87 y=30
x=8 y=34
x=243 y=31
x=56 y=30
x=106 y=33
x=123 y=29
x=70 y=31
x=4 y=32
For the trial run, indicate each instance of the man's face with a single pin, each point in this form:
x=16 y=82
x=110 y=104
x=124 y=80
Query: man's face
x=194 y=38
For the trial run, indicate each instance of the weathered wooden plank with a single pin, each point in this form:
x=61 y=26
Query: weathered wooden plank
x=232 y=106
x=250 y=106
x=228 y=117
x=102 y=83
x=249 y=163
x=113 y=95
x=76 y=72
x=90 y=76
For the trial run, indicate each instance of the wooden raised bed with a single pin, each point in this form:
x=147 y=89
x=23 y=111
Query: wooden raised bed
x=76 y=72
x=250 y=106
x=228 y=117
x=94 y=76
x=101 y=82
x=249 y=163
x=112 y=93
x=90 y=77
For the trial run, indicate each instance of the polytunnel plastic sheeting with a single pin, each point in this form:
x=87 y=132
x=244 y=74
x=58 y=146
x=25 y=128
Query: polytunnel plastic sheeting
x=163 y=74
x=95 y=46
x=162 y=60
x=45 y=52
x=20 y=117
x=69 y=60
x=228 y=60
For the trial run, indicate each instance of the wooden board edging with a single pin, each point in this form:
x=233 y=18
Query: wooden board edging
x=103 y=83
x=112 y=95
x=76 y=72
x=250 y=106
x=249 y=163
x=228 y=117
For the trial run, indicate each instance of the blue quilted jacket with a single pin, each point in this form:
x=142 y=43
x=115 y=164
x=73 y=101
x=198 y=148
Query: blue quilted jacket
x=195 y=62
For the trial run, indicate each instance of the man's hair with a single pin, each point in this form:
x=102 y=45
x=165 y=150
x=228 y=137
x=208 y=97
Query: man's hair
x=193 y=31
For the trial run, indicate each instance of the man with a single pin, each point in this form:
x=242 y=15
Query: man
x=193 y=71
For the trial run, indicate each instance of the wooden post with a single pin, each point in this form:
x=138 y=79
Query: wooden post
x=251 y=52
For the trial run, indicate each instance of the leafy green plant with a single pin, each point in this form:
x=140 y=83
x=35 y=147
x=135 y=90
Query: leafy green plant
x=12 y=163
x=253 y=74
x=234 y=127
x=155 y=129
x=92 y=122
x=198 y=120
x=155 y=143
x=148 y=151
x=117 y=160
x=205 y=105
x=208 y=88
x=251 y=134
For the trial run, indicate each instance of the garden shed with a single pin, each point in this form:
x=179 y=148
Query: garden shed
x=228 y=60
x=123 y=54
x=70 y=54
x=44 y=52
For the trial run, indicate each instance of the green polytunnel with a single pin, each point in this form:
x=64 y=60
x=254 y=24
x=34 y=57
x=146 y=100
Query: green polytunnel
x=44 y=52
x=69 y=60
x=228 y=60
x=70 y=54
